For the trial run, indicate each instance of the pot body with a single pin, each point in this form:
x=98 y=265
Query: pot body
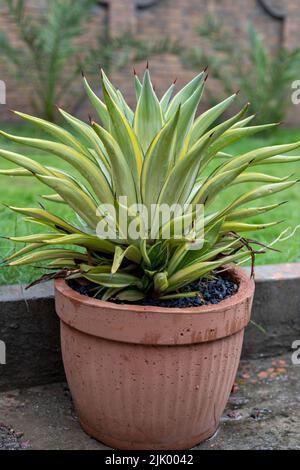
x=148 y=377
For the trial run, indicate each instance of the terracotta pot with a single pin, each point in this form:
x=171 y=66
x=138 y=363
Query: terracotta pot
x=149 y=377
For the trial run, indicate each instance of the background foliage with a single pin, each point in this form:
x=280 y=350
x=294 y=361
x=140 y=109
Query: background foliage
x=263 y=77
x=52 y=55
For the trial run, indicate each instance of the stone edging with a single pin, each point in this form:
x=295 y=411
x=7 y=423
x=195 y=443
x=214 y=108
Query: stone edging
x=30 y=328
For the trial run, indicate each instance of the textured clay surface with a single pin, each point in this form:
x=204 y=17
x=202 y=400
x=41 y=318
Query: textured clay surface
x=149 y=377
x=262 y=413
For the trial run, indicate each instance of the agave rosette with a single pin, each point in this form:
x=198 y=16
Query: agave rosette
x=158 y=154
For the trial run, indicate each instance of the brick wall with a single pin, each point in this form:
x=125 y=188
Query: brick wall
x=278 y=21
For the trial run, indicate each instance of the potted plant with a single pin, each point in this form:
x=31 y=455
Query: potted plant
x=152 y=318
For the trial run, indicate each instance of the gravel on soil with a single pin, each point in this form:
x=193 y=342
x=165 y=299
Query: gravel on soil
x=211 y=291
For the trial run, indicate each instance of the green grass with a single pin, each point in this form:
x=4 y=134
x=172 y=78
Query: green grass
x=288 y=213
x=24 y=192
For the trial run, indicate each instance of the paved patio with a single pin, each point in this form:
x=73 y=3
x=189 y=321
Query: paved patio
x=263 y=413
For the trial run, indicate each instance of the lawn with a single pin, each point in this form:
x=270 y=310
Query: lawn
x=26 y=192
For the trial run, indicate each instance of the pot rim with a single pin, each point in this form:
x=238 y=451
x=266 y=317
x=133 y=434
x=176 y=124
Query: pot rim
x=157 y=325
x=237 y=273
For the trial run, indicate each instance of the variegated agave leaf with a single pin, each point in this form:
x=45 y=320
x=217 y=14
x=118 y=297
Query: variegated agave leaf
x=158 y=153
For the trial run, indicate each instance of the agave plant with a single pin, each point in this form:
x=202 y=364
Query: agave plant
x=161 y=153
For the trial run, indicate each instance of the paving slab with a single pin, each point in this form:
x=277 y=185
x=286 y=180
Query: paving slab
x=263 y=413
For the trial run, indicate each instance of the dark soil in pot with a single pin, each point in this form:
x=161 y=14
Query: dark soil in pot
x=211 y=291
